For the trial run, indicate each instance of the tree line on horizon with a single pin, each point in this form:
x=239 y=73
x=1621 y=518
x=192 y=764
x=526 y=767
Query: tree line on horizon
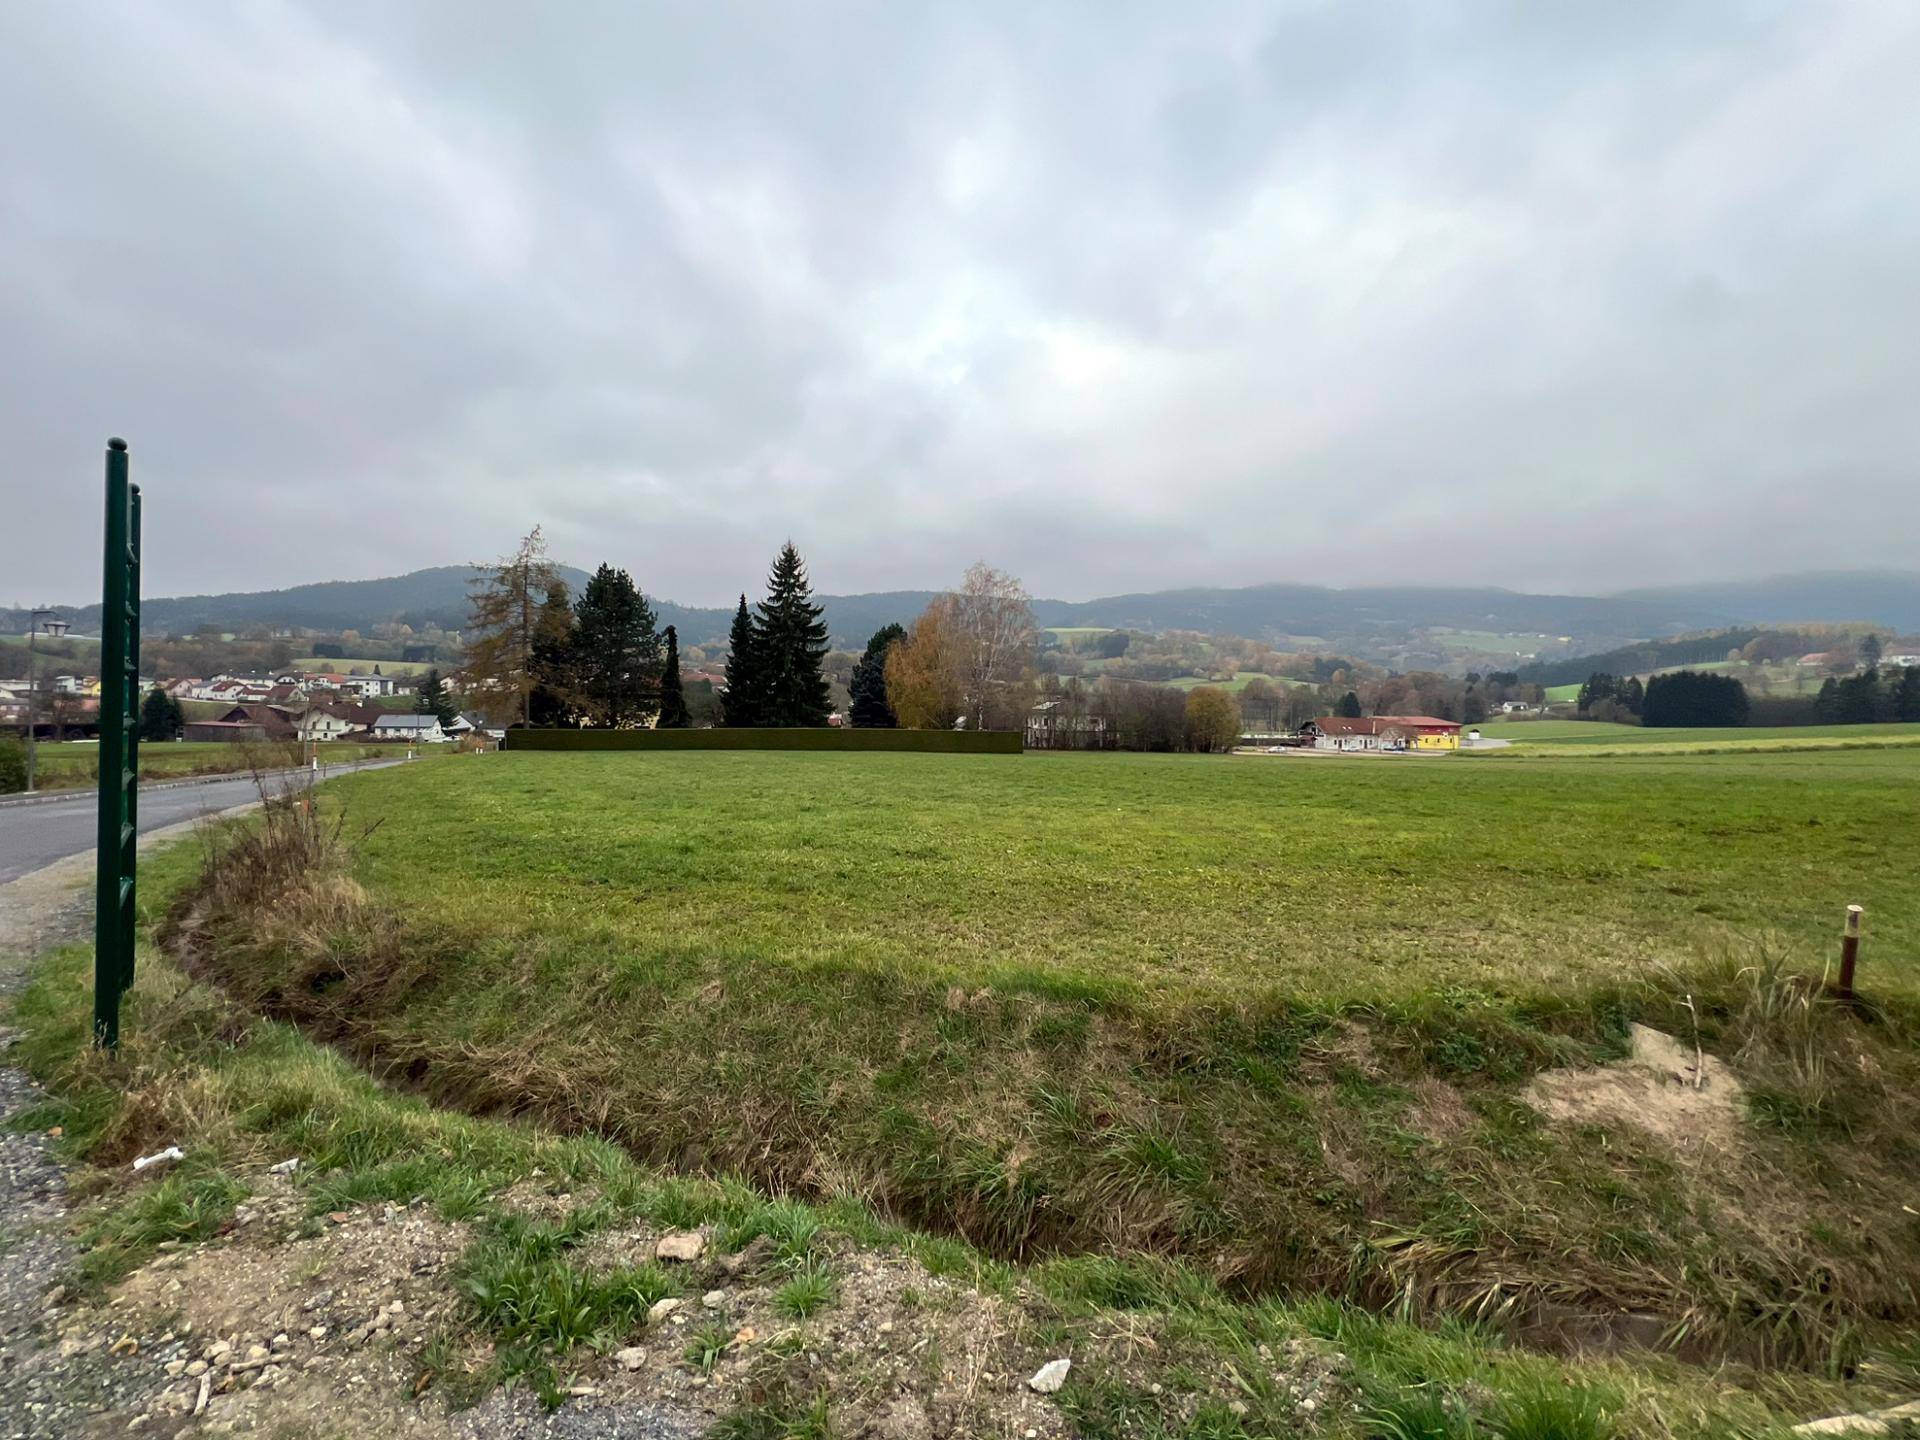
x=1685 y=698
x=540 y=656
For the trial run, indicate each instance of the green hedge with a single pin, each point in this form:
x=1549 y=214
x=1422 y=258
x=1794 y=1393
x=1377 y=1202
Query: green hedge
x=13 y=765
x=926 y=742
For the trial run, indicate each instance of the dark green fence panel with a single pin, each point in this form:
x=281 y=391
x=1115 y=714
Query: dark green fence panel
x=927 y=742
x=113 y=901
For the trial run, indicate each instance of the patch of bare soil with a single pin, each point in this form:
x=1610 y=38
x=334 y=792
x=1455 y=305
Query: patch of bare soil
x=1675 y=1093
x=902 y=1353
x=289 y=1325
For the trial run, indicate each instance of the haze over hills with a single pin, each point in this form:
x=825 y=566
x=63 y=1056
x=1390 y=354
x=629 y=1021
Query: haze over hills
x=1368 y=622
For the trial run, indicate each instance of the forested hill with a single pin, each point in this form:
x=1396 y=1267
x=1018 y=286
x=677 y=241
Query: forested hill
x=1356 y=621
x=1640 y=658
x=438 y=597
x=1889 y=598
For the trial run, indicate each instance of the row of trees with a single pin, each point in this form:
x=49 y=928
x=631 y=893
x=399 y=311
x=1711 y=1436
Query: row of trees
x=1694 y=698
x=775 y=653
x=1138 y=715
x=1870 y=696
x=539 y=655
x=967 y=660
x=1612 y=697
x=1682 y=697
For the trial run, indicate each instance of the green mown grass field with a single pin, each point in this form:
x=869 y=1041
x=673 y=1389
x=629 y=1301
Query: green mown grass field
x=1181 y=875
x=1604 y=735
x=1271 y=1016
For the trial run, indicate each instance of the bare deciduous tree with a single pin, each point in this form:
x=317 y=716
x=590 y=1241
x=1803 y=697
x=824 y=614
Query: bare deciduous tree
x=993 y=616
x=970 y=655
x=1260 y=704
x=503 y=621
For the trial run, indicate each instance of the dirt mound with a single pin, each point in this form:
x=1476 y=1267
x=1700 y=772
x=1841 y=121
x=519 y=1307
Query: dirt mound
x=1674 y=1092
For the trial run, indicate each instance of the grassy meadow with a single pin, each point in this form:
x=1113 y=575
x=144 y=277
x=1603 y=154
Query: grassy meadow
x=1154 y=876
x=72 y=764
x=398 y=669
x=1270 y=1017
x=1604 y=738
x=1603 y=732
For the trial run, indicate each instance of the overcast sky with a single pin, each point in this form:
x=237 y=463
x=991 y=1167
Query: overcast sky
x=1116 y=296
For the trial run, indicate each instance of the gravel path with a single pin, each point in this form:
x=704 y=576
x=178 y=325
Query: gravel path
x=46 y=1388
x=60 y=1375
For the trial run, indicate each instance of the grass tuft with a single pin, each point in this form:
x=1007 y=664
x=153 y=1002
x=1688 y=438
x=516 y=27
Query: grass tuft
x=809 y=1288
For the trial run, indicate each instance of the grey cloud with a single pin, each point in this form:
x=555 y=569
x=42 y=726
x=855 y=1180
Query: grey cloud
x=1120 y=296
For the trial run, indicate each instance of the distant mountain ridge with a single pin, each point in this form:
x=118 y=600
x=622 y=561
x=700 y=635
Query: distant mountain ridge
x=1360 y=621
x=1882 y=597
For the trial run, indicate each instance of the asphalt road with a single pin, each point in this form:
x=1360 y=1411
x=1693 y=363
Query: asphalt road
x=32 y=836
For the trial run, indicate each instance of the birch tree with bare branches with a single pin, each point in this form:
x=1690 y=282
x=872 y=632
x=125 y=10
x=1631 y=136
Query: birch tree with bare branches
x=993 y=615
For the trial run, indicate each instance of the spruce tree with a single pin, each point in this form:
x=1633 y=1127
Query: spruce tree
x=791 y=641
x=1906 y=694
x=741 y=705
x=434 y=699
x=616 y=651
x=673 y=700
x=1826 y=705
x=156 y=716
x=1857 y=694
x=551 y=700
x=1349 y=706
x=869 y=685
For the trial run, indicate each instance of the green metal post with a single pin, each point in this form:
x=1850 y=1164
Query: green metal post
x=130 y=721
x=113 y=903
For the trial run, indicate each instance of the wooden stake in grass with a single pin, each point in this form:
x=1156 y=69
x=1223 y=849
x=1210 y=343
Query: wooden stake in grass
x=1849 y=951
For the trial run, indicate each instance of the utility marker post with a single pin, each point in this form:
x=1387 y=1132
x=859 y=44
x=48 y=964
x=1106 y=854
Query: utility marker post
x=115 y=851
x=1849 y=952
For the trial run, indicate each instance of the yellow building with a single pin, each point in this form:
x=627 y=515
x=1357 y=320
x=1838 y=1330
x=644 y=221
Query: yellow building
x=1383 y=732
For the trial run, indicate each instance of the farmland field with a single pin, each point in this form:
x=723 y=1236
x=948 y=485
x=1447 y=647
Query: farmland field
x=399 y=669
x=959 y=867
x=1601 y=734
x=1240 y=681
x=1270 y=1015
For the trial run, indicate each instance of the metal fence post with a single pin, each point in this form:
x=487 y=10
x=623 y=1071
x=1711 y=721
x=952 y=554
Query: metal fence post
x=1849 y=951
x=115 y=852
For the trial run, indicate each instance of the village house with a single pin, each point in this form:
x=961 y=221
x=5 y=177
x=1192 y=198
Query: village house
x=236 y=689
x=320 y=723
x=1382 y=732
x=1051 y=726
x=414 y=729
x=275 y=722
x=234 y=732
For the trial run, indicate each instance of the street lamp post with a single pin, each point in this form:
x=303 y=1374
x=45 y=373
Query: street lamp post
x=53 y=625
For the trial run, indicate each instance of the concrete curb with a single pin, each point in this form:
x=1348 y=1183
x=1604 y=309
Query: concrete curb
x=49 y=797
